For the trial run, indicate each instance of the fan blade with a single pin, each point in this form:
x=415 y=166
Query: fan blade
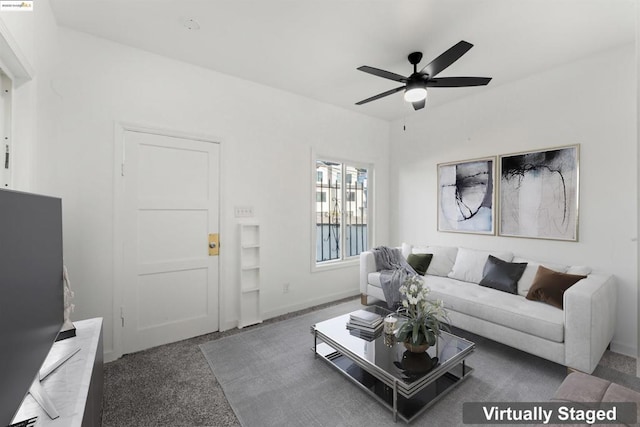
x=447 y=58
x=381 y=95
x=458 y=81
x=382 y=73
x=419 y=104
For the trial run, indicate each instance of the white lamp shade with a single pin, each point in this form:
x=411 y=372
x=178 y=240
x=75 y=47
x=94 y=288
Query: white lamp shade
x=415 y=94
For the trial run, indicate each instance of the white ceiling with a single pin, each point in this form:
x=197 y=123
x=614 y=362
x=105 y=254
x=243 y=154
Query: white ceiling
x=313 y=47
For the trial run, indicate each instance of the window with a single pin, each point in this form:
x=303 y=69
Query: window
x=341 y=213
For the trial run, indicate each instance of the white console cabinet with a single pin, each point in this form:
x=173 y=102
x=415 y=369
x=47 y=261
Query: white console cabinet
x=75 y=387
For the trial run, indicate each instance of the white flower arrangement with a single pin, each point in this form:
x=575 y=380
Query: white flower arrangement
x=425 y=318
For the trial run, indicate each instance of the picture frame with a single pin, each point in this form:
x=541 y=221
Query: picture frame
x=466 y=196
x=539 y=193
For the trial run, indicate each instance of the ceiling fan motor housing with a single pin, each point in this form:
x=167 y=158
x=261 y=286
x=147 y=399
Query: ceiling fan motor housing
x=416 y=80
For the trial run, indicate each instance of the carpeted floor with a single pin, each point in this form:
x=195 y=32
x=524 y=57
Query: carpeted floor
x=172 y=385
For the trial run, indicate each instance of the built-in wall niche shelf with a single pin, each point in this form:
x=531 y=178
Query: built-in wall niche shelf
x=250 y=313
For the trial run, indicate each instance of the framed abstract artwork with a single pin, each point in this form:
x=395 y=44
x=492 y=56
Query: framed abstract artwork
x=539 y=194
x=466 y=196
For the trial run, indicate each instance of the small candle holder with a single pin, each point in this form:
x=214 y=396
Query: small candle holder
x=390 y=324
x=389 y=340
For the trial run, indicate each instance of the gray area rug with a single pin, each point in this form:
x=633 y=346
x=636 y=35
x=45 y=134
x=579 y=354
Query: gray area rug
x=270 y=377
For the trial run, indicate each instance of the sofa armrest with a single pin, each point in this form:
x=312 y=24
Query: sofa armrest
x=589 y=320
x=367 y=265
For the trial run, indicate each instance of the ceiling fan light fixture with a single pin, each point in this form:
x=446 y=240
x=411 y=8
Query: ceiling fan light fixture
x=415 y=93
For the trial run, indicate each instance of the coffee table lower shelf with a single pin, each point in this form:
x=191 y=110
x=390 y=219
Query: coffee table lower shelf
x=408 y=408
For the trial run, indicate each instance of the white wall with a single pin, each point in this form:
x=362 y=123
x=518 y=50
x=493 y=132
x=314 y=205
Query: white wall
x=573 y=104
x=32 y=36
x=267 y=138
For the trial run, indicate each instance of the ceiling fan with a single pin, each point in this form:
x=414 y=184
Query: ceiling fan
x=415 y=86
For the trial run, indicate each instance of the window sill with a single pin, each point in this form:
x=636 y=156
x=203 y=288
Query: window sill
x=334 y=265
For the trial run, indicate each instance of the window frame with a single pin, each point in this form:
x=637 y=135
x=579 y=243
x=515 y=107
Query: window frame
x=343 y=261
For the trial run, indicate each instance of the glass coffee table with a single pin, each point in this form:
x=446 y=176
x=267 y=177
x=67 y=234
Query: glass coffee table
x=406 y=383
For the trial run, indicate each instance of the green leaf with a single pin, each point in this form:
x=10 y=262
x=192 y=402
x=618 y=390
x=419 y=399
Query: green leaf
x=423 y=327
x=431 y=338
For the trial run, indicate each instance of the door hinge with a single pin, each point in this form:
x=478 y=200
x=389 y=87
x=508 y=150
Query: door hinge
x=122 y=315
x=6 y=156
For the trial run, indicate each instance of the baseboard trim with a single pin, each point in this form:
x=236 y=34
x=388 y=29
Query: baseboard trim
x=110 y=356
x=308 y=304
x=230 y=324
x=624 y=349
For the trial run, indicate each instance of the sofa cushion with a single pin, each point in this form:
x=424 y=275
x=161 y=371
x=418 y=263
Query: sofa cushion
x=420 y=262
x=501 y=275
x=581 y=270
x=581 y=387
x=406 y=249
x=509 y=310
x=374 y=279
x=618 y=393
x=443 y=258
x=525 y=282
x=549 y=286
x=469 y=264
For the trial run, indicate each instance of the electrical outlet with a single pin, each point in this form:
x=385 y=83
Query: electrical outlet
x=243 y=211
x=285 y=288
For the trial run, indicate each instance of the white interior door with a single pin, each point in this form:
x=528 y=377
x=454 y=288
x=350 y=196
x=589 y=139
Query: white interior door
x=170 y=289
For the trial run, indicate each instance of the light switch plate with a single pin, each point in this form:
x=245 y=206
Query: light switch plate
x=243 y=211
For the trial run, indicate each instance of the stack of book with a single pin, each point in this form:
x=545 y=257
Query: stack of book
x=365 y=324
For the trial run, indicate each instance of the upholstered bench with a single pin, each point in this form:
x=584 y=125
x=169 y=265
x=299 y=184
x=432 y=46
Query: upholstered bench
x=580 y=387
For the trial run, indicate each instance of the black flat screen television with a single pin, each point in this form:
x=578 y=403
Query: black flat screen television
x=31 y=291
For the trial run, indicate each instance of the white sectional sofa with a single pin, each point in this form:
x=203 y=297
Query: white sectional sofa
x=575 y=336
